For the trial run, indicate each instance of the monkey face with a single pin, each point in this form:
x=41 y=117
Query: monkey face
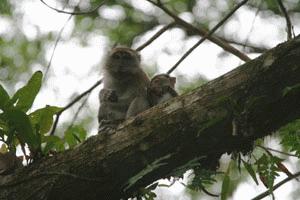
x=161 y=83
x=123 y=60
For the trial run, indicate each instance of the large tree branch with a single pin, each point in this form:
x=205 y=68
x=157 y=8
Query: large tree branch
x=257 y=97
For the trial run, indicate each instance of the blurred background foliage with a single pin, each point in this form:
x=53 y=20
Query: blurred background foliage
x=125 y=22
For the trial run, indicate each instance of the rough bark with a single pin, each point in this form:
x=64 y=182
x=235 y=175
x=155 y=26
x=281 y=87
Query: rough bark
x=223 y=115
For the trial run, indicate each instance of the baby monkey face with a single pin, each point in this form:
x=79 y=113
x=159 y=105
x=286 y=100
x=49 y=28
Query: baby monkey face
x=123 y=60
x=160 y=84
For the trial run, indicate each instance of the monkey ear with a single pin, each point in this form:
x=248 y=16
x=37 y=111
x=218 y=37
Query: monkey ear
x=173 y=81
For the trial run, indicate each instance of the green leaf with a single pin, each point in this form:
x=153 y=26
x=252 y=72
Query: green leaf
x=267 y=167
x=70 y=139
x=24 y=97
x=226 y=183
x=225 y=187
x=5 y=7
x=44 y=118
x=290 y=89
x=4 y=98
x=77 y=132
x=3 y=128
x=74 y=135
x=290 y=134
x=53 y=142
x=250 y=171
x=19 y=123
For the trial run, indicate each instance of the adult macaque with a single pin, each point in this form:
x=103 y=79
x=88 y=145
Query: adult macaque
x=123 y=81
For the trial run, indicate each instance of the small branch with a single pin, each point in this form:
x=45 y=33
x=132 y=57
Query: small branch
x=202 y=32
x=155 y=36
x=74 y=13
x=252 y=24
x=277 y=151
x=79 y=110
x=55 y=45
x=289 y=25
x=269 y=191
x=72 y=103
x=203 y=190
x=256 y=49
x=207 y=35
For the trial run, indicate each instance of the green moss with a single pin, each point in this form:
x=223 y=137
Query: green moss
x=291 y=89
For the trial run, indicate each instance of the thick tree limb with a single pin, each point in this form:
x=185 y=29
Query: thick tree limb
x=199 y=124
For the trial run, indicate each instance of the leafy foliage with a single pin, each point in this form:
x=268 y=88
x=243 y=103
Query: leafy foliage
x=4 y=97
x=202 y=179
x=43 y=118
x=24 y=97
x=291 y=136
x=225 y=187
x=74 y=135
x=18 y=127
x=5 y=7
x=268 y=169
x=251 y=171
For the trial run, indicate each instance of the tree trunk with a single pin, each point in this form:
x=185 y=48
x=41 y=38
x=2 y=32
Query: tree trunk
x=226 y=114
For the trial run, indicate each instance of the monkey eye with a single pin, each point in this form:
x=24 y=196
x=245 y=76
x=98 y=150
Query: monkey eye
x=116 y=56
x=156 y=81
x=126 y=56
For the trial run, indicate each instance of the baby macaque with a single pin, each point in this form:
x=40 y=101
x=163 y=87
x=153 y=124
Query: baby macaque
x=123 y=81
x=161 y=88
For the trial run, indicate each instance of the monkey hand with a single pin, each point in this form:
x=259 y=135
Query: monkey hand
x=108 y=95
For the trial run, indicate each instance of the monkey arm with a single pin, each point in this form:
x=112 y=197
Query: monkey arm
x=108 y=95
x=138 y=105
x=172 y=92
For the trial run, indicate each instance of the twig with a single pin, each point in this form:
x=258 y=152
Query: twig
x=253 y=48
x=207 y=35
x=269 y=191
x=155 y=36
x=252 y=24
x=74 y=13
x=288 y=20
x=277 y=151
x=202 y=32
x=78 y=111
x=203 y=190
x=55 y=45
x=71 y=104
